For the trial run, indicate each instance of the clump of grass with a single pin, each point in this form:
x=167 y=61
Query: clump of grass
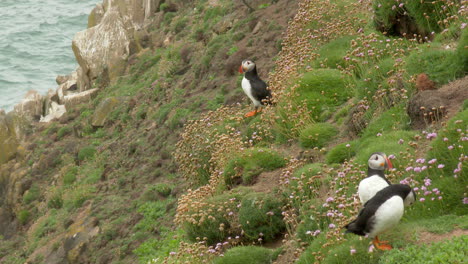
x=395 y=118
x=448 y=251
x=321 y=90
x=341 y=152
x=86 y=153
x=32 y=194
x=69 y=177
x=244 y=167
x=23 y=216
x=428 y=16
x=260 y=217
x=247 y=254
x=63 y=131
x=156 y=191
x=317 y=135
x=442 y=66
x=332 y=54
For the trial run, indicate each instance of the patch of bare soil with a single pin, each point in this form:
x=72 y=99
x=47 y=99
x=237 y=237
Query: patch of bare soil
x=433 y=106
x=267 y=181
x=428 y=237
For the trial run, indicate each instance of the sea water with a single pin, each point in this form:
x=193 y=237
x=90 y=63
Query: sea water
x=35 y=44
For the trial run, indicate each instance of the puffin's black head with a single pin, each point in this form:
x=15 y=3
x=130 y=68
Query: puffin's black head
x=246 y=66
x=410 y=198
x=379 y=161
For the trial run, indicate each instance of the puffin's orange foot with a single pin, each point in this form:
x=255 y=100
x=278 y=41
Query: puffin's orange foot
x=251 y=113
x=383 y=246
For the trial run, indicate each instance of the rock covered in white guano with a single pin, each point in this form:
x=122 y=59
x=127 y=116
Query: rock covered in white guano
x=55 y=111
x=103 y=46
x=31 y=105
x=79 y=98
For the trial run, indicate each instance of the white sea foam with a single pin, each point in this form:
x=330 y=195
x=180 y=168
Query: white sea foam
x=35 y=44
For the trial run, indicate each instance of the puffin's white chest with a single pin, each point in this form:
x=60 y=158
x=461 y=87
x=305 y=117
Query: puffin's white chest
x=369 y=187
x=248 y=91
x=387 y=216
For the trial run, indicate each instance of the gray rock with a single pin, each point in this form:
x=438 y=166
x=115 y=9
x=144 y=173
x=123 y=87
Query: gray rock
x=31 y=105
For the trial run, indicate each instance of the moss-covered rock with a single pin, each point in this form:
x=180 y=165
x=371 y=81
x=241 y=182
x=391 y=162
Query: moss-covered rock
x=105 y=107
x=12 y=129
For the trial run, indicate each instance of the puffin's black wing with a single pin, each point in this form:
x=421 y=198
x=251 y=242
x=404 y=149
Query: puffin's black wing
x=260 y=91
x=365 y=221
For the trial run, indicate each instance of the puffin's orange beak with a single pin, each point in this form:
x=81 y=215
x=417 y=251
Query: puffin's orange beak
x=389 y=163
x=241 y=70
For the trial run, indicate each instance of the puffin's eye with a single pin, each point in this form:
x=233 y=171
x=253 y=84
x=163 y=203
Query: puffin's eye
x=376 y=157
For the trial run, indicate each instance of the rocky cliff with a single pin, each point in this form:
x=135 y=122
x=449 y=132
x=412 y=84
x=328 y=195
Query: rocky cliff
x=144 y=70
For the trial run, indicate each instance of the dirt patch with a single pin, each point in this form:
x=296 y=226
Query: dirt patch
x=433 y=106
x=428 y=237
x=267 y=181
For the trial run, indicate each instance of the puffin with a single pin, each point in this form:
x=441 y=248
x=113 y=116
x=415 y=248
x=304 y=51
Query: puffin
x=375 y=180
x=381 y=213
x=254 y=87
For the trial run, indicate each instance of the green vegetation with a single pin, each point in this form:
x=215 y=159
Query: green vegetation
x=86 y=153
x=442 y=66
x=449 y=251
x=177 y=174
x=247 y=254
x=23 y=216
x=32 y=194
x=260 y=217
x=321 y=90
x=341 y=152
x=332 y=54
x=317 y=135
x=247 y=165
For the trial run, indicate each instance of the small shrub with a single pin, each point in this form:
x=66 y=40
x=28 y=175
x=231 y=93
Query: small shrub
x=70 y=175
x=156 y=191
x=23 y=216
x=32 y=194
x=86 y=153
x=341 y=152
x=55 y=201
x=212 y=221
x=180 y=24
x=317 y=135
x=246 y=254
x=247 y=165
x=448 y=251
x=260 y=216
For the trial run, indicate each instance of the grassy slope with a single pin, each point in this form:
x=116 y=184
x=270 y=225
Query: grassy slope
x=126 y=175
